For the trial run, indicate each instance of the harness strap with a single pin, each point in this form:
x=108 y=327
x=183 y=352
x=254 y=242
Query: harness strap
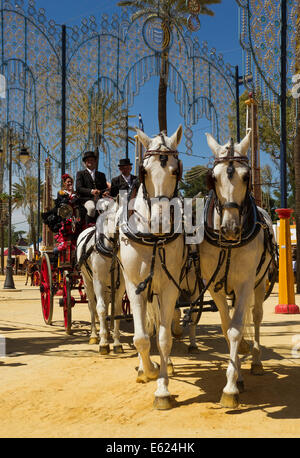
x=142 y=285
x=162 y=257
x=223 y=281
x=187 y=317
x=86 y=254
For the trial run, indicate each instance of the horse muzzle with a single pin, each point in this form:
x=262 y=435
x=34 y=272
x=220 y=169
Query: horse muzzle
x=231 y=231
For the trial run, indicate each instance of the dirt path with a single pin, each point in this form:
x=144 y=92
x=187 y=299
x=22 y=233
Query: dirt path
x=54 y=385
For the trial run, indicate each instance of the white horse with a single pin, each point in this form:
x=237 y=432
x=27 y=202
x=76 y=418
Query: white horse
x=100 y=270
x=152 y=262
x=235 y=255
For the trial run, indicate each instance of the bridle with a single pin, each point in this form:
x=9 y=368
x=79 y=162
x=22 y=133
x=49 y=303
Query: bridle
x=149 y=238
x=163 y=157
x=231 y=158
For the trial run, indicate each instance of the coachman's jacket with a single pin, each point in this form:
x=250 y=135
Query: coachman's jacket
x=85 y=183
x=120 y=184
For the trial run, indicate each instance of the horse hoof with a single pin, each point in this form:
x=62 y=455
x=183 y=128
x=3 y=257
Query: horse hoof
x=93 y=340
x=240 y=385
x=257 y=369
x=118 y=349
x=104 y=349
x=170 y=370
x=141 y=377
x=193 y=349
x=244 y=347
x=230 y=401
x=164 y=403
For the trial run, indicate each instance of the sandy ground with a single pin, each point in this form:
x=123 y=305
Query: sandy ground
x=53 y=385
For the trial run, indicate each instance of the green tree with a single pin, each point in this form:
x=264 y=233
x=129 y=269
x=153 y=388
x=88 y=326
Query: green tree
x=96 y=117
x=269 y=201
x=195 y=182
x=174 y=14
x=269 y=135
x=25 y=195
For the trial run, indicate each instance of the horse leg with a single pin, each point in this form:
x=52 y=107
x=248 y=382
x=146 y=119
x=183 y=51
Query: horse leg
x=141 y=338
x=162 y=395
x=192 y=335
x=176 y=328
x=117 y=346
x=256 y=366
x=102 y=309
x=221 y=303
x=230 y=396
x=88 y=285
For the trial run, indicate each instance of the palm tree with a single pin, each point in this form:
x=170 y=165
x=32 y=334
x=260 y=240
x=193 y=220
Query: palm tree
x=25 y=195
x=94 y=118
x=174 y=14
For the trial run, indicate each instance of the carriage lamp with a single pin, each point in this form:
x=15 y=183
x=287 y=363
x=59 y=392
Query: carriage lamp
x=24 y=155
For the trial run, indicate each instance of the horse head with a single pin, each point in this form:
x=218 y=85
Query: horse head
x=161 y=169
x=106 y=223
x=160 y=173
x=231 y=182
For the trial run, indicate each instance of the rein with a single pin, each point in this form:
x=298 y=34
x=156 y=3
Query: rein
x=157 y=241
x=147 y=238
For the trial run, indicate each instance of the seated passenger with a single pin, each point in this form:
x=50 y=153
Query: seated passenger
x=67 y=218
x=91 y=185
x=125 y=180
x=71 y=211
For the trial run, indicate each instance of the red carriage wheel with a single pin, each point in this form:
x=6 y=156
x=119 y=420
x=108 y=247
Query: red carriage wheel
x=67 y=303
x=36 y=278
x=46 y=289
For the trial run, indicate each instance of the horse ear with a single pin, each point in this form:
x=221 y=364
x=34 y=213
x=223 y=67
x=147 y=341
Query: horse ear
x=144 y=139
x=245 y=143
x=212 y=143
x=176 y=137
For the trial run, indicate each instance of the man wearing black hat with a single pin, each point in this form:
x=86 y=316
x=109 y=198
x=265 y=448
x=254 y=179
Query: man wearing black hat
x=123 y=181
x=90 y=185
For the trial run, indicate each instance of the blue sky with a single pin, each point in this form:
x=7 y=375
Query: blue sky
x=220 y=31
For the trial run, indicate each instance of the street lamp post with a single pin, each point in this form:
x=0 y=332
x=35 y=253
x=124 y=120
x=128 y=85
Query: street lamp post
x=9 y=281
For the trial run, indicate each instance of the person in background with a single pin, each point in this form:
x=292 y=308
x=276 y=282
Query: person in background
x=125 y=180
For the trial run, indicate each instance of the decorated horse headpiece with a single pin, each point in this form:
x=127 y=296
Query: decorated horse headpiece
x=163 y=155
x=229 y=157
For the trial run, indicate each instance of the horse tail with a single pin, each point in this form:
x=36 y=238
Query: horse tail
x=152 y=316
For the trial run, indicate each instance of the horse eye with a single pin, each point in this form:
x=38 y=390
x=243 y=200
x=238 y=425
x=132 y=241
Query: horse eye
x=246 y=176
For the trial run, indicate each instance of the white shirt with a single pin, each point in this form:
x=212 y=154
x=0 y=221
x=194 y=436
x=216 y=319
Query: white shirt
x=92 y=173
x=128 y=179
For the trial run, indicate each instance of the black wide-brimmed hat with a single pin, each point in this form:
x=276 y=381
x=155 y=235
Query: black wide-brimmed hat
x=89 y=154
x=124 y=162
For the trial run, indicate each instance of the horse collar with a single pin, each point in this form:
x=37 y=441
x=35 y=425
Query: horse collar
x=250 y=229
